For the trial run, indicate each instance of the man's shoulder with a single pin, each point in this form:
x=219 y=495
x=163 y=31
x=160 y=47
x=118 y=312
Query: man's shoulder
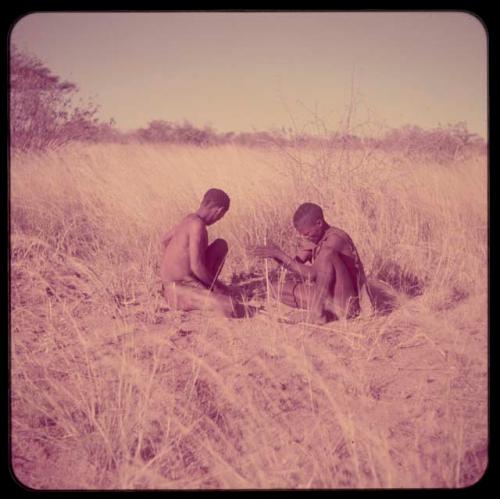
x=193 y=222
x=335 y=239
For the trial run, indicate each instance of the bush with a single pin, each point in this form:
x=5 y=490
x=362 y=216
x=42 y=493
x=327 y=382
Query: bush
x=160 y=131
x=440 y=144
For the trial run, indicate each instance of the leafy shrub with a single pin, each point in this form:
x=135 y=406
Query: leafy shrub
x=42 y=108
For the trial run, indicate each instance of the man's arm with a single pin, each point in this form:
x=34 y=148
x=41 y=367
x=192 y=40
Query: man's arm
x=325 y=279
x=295 y=265
x=280 y=256
x=198 y=243
x=333 y=275
x=304 y=250
x=329 y=268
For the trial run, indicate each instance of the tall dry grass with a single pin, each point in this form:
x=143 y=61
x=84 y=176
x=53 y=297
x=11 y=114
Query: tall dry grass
x=111 y=390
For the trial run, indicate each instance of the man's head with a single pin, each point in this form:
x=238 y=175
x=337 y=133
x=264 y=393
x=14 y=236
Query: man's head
x=309 y=221
x=214 y=205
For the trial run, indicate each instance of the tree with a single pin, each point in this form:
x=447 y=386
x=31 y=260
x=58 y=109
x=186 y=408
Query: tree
x=42 y=108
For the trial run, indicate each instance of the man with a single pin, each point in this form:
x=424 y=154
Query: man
x=334 y=284
x=190 y=266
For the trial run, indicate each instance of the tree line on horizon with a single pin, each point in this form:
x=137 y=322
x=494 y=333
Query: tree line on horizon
x=45 y=112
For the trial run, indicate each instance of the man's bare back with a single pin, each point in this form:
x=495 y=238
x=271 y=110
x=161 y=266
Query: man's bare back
x=175 y=264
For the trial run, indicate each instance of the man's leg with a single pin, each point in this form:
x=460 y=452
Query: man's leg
x=292 y=292
x=313 y=296
x=189 y=298
x=345 y=297
x=215 y=256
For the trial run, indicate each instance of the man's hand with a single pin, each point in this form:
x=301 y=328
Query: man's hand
x=268 y=251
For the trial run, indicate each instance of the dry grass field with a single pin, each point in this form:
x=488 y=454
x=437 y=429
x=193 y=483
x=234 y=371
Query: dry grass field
x=111 y=390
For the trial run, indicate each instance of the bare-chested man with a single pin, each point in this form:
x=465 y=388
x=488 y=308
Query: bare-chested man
x=334 y=284
x=190 y=266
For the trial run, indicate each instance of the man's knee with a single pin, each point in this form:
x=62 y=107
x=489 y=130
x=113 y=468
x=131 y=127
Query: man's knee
x=220 y=246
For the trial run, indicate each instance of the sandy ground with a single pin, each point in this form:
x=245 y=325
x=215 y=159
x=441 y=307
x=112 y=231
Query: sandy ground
x=270 y=402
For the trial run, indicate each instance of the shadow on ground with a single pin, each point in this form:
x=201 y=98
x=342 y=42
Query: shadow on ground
x=385 y=299
x=400 y=279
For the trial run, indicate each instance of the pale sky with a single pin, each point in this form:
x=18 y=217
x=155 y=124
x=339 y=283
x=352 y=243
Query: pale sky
x=239 y=71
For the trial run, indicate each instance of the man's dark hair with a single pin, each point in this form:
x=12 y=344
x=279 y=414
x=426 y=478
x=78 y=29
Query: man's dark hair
x=307 y=212
x=216 y=197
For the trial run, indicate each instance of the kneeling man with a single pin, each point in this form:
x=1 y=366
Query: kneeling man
x=190 y=266
x=331 y=281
